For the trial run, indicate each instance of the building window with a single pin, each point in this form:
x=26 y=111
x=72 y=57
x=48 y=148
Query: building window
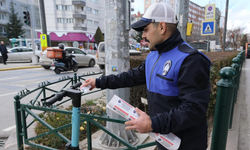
x=1 y=3
x=24 y=8
x=146 y=1
x=27 y=32
x=89 y=22
x=95 y=1
x=95 y=12
x=56 y=7
x=96 y=23
x=89 y=10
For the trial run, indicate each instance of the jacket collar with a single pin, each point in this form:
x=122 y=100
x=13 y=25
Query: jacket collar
x=173 y=41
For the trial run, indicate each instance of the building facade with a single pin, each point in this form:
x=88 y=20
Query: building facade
x=73 y=20
x=196 y=15
x=171 y=3
x=19 y=7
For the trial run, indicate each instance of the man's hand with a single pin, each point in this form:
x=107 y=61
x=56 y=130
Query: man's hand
x=90 y=82
x=142 y=124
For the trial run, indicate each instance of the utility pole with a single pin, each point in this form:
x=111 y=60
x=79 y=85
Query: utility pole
x=43 y=21
x=182 y=14
x=34 y=58
x=117 y=20
x=225 y=27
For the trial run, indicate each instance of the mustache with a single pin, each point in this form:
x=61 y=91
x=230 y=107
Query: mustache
x=147 y=40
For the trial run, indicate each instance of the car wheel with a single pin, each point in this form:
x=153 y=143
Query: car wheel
x=57 y=70
x=91 y=63
x=102 y=66
x=75 y=68
x=46 y=67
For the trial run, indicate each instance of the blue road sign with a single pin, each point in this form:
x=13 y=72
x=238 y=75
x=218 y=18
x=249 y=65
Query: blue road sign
x=137 y=45
x=208 y=27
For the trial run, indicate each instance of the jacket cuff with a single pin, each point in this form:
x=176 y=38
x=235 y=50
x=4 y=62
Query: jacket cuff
x=98 y=83
x=155 y=124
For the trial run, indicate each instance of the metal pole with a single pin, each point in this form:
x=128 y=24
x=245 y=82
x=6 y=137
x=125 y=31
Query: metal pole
x=183 y=17
x=225 y=26
x=208 y=43
x=117 y=61
x=43 y=21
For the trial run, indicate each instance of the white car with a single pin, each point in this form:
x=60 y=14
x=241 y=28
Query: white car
x=100 y=54
x=20 y=54
x=81 y=57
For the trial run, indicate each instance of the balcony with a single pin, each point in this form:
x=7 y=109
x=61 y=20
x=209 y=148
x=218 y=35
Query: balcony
x=3 y=22
x=3 y=9
x=82 y=27
x=79 y=2
x=79 y=14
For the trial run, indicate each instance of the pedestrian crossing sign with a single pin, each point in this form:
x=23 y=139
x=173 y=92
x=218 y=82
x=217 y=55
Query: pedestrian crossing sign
x=207 y=28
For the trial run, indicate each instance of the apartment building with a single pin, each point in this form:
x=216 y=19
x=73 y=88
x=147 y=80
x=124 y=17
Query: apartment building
x=196 y=14
x=19 y=6
x=73 y=20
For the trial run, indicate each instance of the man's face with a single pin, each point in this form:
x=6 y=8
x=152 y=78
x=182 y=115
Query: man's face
x=151 y=33
x=2 y=42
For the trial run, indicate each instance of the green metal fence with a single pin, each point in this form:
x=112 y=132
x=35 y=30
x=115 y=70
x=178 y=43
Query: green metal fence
x=227 y=88
x=22 y=111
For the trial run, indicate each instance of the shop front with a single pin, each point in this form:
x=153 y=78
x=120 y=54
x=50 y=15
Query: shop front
x=86 y=41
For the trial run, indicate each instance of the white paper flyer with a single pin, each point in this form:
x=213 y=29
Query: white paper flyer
x=118 y=105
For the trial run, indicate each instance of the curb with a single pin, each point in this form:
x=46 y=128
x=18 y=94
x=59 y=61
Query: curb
x=6 y=69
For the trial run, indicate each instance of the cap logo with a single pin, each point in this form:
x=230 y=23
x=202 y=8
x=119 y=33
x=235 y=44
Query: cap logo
x=148 y=20
x=166 y=67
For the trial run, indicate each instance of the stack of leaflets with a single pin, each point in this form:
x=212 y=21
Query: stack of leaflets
x=121 y=107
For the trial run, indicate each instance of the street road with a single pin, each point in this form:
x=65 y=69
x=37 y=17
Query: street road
x=11 y=82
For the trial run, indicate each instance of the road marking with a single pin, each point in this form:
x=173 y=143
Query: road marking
x=8 y=94
x=10 y=128
x=9 y=78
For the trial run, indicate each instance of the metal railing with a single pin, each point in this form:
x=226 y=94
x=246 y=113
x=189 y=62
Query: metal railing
x=22 y=111
x=227 y=89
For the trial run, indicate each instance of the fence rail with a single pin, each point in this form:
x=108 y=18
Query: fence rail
x=22 y=111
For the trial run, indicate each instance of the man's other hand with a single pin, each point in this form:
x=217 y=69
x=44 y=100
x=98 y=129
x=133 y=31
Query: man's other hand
x=142 y=124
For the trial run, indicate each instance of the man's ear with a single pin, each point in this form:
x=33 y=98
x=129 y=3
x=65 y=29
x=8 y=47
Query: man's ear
x=162 y=27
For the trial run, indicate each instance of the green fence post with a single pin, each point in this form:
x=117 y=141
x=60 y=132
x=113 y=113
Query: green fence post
x=235 y=66
x=18 y=122
x=75 y=78
x=89 y=134
x=223 y=107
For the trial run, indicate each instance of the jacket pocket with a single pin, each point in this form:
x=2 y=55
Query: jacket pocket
x=163 y=77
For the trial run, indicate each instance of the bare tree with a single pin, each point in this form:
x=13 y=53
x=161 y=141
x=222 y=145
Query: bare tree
x=235 y=35
x=221 y=5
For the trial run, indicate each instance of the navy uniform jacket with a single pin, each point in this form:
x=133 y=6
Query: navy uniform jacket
x=177 y=79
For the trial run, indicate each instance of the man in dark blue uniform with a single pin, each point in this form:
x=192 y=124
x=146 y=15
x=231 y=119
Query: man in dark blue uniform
x=177 y=79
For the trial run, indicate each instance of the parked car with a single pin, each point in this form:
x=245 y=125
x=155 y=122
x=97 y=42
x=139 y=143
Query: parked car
x=100 y=54
x=20 y=54
x=81 y=57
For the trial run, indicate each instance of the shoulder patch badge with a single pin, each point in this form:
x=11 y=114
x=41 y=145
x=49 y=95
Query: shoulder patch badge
x=166 y=67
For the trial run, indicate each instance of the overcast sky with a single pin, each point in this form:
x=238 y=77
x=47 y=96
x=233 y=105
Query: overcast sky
x=238 y=13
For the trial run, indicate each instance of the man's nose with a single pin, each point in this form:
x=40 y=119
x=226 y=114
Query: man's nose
x=143 y=35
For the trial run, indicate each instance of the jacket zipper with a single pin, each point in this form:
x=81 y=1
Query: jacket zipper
x=153 y=70
x=152 y=111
